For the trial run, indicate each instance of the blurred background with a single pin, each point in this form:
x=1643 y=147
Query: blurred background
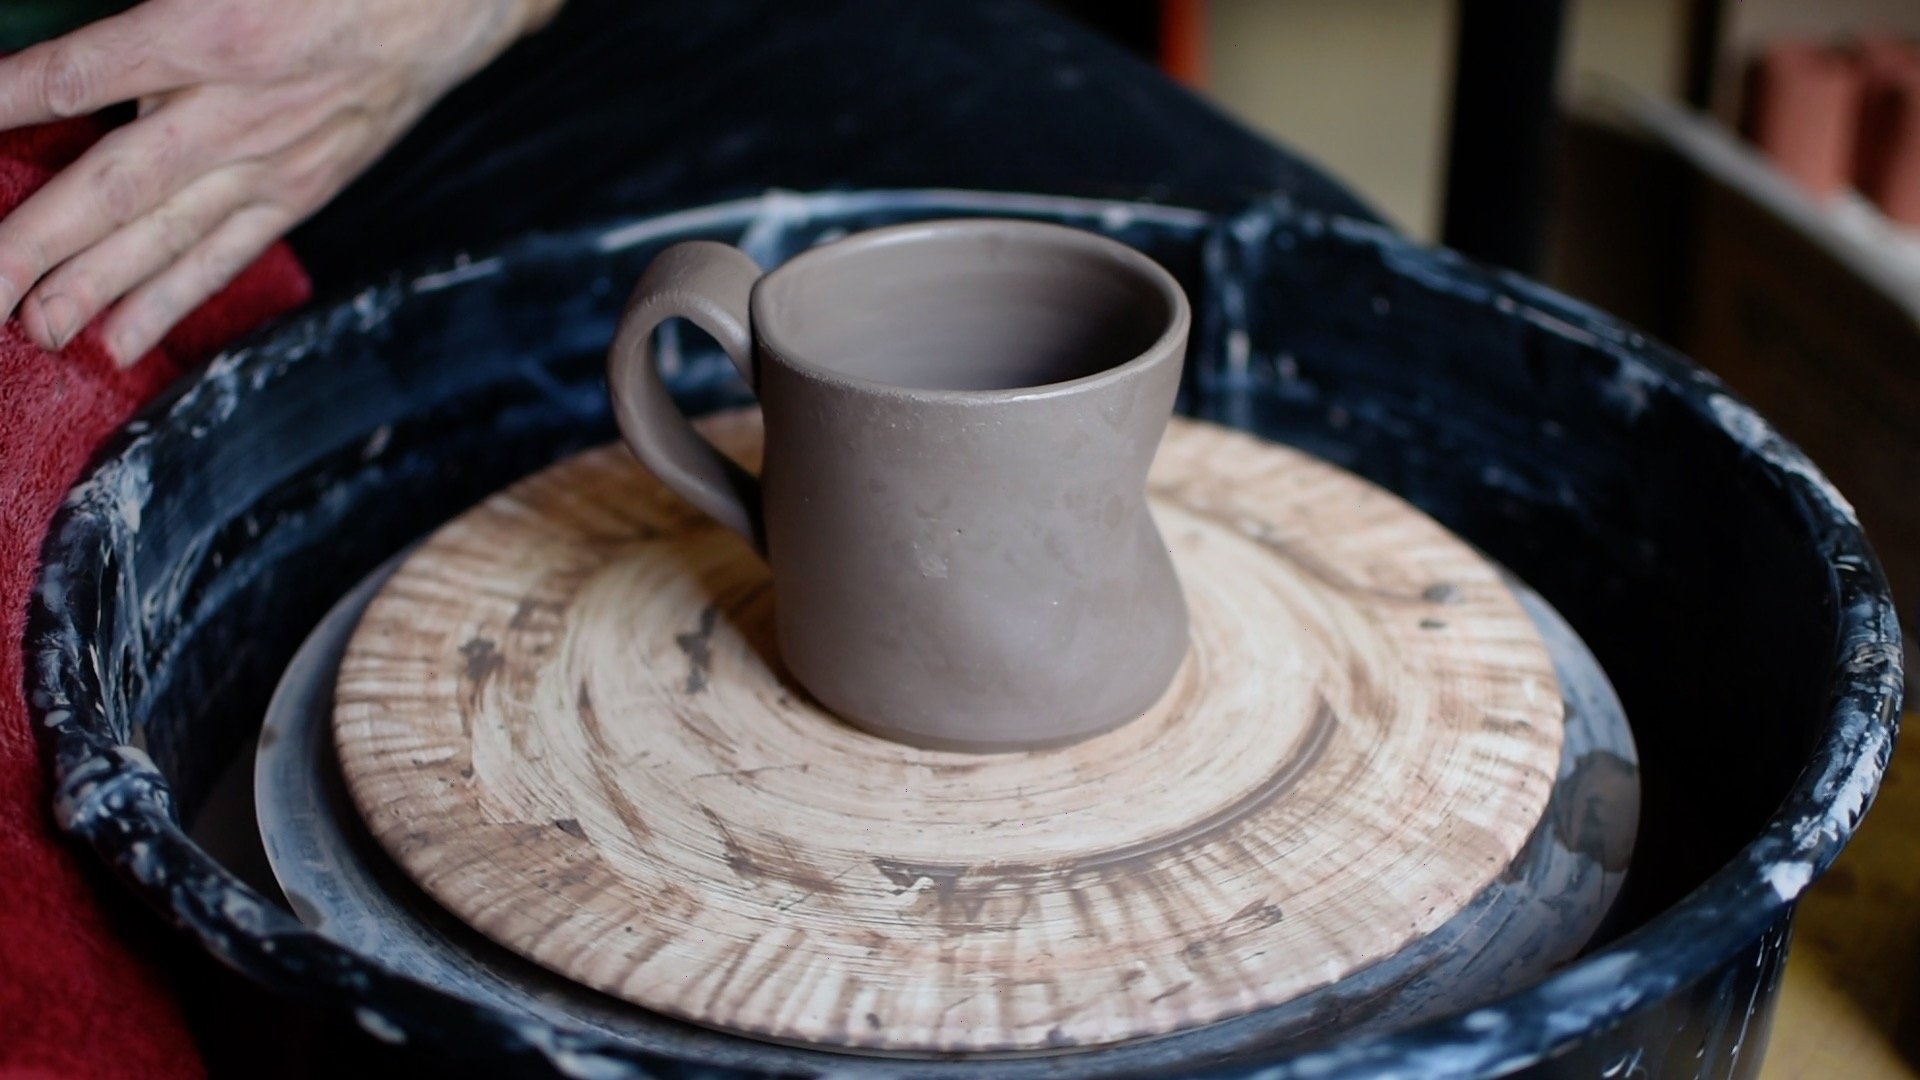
x=1366 y=86
x=1741 y=179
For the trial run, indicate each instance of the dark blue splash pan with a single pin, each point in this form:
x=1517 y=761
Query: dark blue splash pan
x=1720 y=579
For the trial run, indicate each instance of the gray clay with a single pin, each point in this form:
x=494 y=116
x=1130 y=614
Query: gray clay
x=959 y=420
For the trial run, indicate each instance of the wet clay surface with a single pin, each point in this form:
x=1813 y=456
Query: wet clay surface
x=959 y=416
x=944 y=306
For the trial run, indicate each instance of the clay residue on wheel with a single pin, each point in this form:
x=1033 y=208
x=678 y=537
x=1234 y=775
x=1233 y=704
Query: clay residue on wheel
x=961 y=893
x=1600 y=780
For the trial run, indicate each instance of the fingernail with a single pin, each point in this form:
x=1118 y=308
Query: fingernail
x=57 y=318
x=8 y=297
x=122 y=358
x=120 y=346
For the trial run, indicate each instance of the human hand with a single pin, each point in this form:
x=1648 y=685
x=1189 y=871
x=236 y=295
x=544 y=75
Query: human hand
x=253 y=113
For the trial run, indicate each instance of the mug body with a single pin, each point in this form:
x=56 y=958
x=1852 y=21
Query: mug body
x=959 y=421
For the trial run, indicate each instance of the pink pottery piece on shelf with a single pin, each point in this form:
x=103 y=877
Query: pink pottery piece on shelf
x=1888 y=161
x=1805 y=113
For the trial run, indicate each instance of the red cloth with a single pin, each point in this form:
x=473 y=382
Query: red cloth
x=75 y=1000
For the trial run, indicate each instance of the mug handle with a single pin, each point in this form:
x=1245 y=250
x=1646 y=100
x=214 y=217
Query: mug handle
x=708 y=284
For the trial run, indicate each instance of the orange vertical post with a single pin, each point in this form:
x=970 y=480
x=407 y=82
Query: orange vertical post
x=1183 y=41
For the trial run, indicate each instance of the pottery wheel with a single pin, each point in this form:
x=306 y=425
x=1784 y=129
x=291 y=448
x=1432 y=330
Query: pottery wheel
x=563 y=718
x=1536 y=915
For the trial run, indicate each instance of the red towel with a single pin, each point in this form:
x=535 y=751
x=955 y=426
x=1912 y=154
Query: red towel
x=75 y=1000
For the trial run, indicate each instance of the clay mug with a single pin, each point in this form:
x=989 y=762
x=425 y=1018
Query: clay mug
x=959 y=419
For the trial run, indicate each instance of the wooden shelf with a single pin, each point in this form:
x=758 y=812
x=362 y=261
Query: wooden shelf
x=1881 y=252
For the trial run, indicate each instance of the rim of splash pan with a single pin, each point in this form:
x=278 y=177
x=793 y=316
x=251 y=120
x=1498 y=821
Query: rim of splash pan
x=110 y=795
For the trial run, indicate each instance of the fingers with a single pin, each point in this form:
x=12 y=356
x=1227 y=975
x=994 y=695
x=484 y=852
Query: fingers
x=132 y=170
x=282 y=192
x=117 y=181
x=173 y=205
x=145 y=316
x=75 y=293
x=117 y=59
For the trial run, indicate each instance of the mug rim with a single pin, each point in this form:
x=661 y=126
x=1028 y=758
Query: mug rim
x=1166 y=344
